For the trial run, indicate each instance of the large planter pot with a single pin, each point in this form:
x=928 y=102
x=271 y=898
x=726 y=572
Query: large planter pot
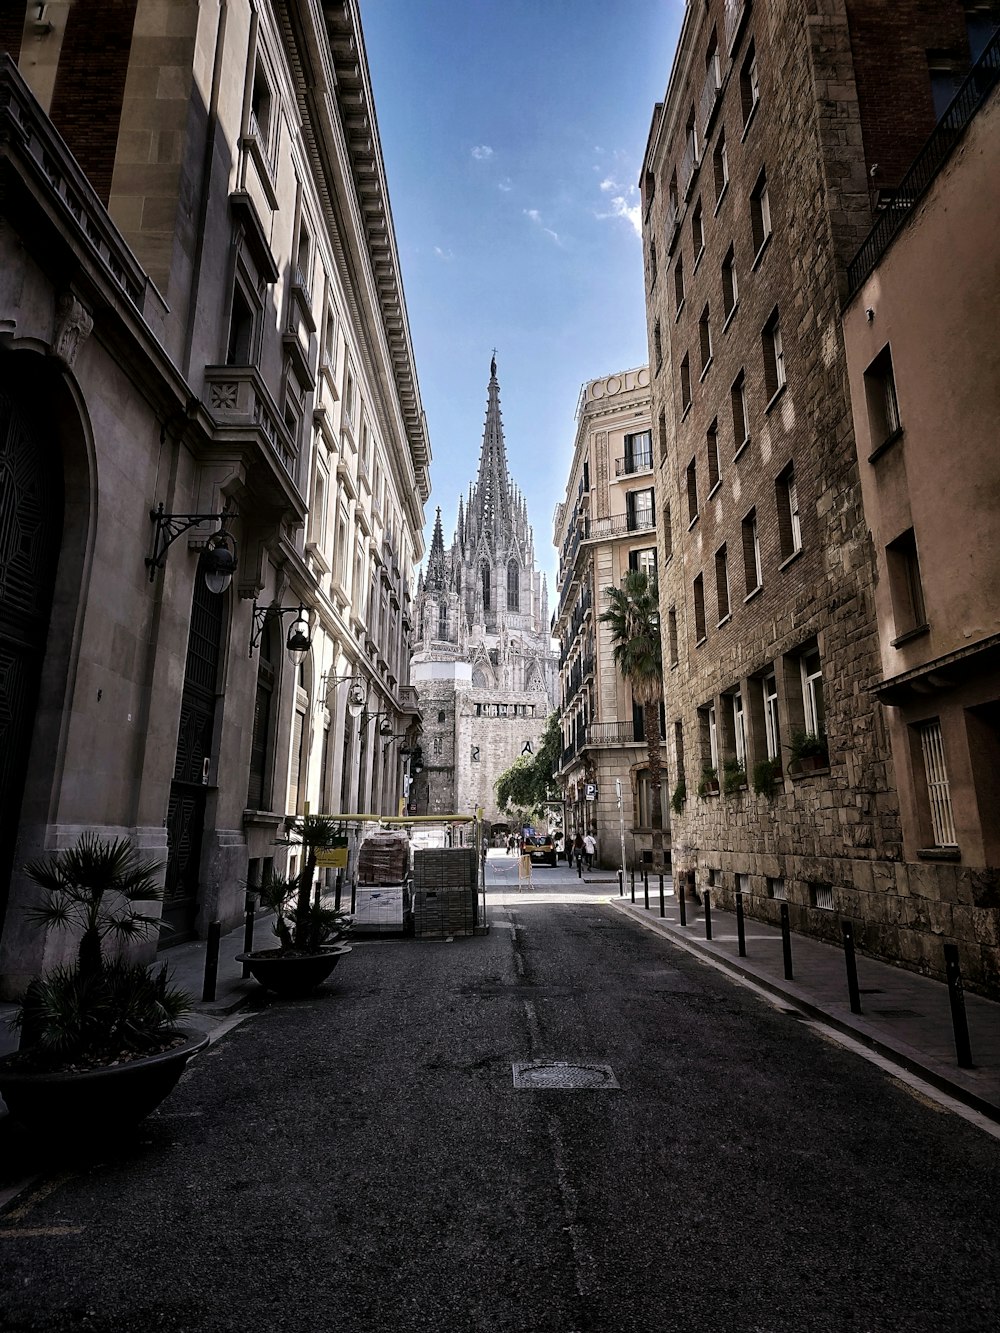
x=292 y=974
x=102 y=1102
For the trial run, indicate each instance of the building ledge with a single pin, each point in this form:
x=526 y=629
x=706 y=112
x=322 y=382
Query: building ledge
x=940 y=674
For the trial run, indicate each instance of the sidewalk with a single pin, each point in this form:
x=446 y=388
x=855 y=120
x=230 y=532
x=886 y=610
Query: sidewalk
x=906 y=1018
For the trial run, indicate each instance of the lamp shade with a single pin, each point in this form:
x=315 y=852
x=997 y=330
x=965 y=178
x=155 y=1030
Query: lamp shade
x=299 y=639
x=355 y=699
x=218 y=566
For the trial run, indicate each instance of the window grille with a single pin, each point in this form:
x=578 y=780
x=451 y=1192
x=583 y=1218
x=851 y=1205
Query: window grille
x=938 y=789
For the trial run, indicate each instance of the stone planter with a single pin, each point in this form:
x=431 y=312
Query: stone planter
x=292 y=974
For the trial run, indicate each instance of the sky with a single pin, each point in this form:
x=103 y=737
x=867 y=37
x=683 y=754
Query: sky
x=513 y=133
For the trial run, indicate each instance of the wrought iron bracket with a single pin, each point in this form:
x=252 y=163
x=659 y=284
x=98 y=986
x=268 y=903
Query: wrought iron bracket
x=262 y=614
x=168 y=527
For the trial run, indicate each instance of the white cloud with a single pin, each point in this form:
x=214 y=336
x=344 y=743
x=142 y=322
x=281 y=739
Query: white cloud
x=505 y=185
x=608 y=184
x=536 y=218
x=443 y=254
x=626 y=205
x=482 y=152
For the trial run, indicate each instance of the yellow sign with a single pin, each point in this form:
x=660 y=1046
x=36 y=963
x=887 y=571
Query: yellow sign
x=332 y=856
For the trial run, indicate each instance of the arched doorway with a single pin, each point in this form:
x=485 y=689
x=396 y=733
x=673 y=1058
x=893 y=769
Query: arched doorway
x=189 y=789
x=31 y=521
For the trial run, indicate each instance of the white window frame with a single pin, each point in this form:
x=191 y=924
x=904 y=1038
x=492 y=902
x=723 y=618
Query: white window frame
x=812 y=694
x=772 y=729
x=713 y=737
x=739 y=728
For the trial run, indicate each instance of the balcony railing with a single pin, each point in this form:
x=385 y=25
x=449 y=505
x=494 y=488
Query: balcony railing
x=619 y=525
x=630 y=464
x=977 y=87
x=613 y=733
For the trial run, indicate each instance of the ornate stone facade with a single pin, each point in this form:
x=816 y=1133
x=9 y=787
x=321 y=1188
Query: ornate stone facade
x=483 y=662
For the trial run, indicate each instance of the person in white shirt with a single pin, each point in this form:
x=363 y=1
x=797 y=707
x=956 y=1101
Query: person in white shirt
x=590 y=848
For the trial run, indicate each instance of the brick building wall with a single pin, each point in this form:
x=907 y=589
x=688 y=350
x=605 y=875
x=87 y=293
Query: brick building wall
x=783 y=206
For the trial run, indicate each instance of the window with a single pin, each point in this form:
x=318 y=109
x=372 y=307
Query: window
x=239 y=348
x=513 y=587
x=787 y=499
x=672 y=635
x=738 y=398
x=686 y=382
x=743 y=884
x=814 y=716
x=772 y=731
x=260 y=126
x=349 y=397
x=340 y=555
x=712 y=454
x=776 y=888
x=303 y=259
x=760 y=215
x=668 y=535
x=657 y=345
x=722 y=582
x=643 y=561
x=317 y=510
x=258 y=797
x=749 y=85
x=679 y=750
x=821 y=895
x=652 y=263
x=938 y=790
x=679 y=283
x=739 y=723
x=330 y=339
x=485 y=583
x=905 y=588
x=730 y=286
x=720 y=161
x=699 y=609
x=442 y=621
x=774 y=357
x=639 y=509
x=437 y=745
x=692 y=490
x=662 y=431
x=638 y=451
x=697 y=233
x=705 y=339
x=751 y=553
x=713 y=736
x=644 y=792
x=883 y=406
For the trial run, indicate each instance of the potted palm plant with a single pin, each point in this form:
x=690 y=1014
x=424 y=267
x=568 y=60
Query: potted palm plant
x=709 y=784
x=310 y=935
x=809 y=751
x=101 y=1042
x=734 y=777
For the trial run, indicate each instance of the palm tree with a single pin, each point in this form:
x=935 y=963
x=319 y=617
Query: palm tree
x=633 y=616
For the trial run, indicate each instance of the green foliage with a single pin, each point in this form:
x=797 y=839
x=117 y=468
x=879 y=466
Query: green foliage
x=296 y=930
x=807 y=745
x=679 y=797
x=525 y=786
x=766 y=776
x=709 y=780
x=734 y=776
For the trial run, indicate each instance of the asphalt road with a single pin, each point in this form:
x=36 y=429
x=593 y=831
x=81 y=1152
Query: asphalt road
x=362 y=1161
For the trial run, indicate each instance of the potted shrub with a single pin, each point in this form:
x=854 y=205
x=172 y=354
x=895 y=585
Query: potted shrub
x=809 y=751
x=734 y=777
x=709 y=781
x=679 y=797
x=101 y=1044
x=766 y=777
x=310 y=935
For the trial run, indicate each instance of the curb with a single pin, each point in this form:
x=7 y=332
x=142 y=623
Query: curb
x=898 y=1053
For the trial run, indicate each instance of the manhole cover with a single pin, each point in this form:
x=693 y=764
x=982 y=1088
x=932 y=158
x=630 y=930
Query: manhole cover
x=562 y=1075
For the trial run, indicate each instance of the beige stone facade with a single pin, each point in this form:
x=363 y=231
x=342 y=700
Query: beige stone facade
x=213 y=322
x=605 y=526
x=771 y=154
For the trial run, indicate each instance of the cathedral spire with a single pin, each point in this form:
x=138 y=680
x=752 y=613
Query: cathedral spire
x=437 y=574
x=492 y=492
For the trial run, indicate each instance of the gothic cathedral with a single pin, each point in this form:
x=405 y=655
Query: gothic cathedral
x=483 y=661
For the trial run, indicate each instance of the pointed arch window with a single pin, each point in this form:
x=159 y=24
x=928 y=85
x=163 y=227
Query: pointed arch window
x=486 y=587
x=442 y=621
x=513 y=587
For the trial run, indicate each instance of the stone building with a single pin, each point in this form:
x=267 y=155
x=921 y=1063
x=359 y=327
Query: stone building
x=483 y=663
x=605 y=526
x=785 y=130
x=204 y=354
x=929 y=278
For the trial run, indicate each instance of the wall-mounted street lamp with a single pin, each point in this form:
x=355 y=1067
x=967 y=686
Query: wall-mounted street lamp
x=218 y=562
x=299 y=638
x=355 y=695
x=384 y=727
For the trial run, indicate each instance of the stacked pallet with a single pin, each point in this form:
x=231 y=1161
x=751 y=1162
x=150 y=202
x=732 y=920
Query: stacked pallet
x=445 y=881
x=384 y=858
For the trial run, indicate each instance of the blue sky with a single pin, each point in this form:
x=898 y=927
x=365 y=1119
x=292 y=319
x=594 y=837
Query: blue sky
x=513 y=133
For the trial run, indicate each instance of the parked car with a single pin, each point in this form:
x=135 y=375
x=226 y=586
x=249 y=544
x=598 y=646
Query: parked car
x=540 y=848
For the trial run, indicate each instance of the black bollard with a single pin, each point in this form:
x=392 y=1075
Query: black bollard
x=579 y=867
x=621 y=884
x=212 y=960
x=663 y=906
x=248 y=915
x=645 y=889
x=681 y=900
x=338 y=891
x=632 y=877
x=959 y=1019
x=852 y=966
x=786 y=942
x=354 y=896
x=741 y=930
x=707 y=903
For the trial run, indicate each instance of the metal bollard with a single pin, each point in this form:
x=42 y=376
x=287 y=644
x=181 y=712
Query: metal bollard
x=338 y=891
x=741 y=931
x=645 y=889
x=248 y=915
x=852 y=966
x=354 y=896
x=707 y=904
x=212 y=960
x=621 y=884
x=663 y=906
x=959 y=1019
x=632 y=876
x=786 y=942
x=681 y=900
x=579 y=867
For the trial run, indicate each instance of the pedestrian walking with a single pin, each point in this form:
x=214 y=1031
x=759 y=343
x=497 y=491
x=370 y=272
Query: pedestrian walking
x=590 y=847
x=578 y=851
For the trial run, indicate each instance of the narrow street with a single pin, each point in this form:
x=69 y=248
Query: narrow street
x=362 y=1161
